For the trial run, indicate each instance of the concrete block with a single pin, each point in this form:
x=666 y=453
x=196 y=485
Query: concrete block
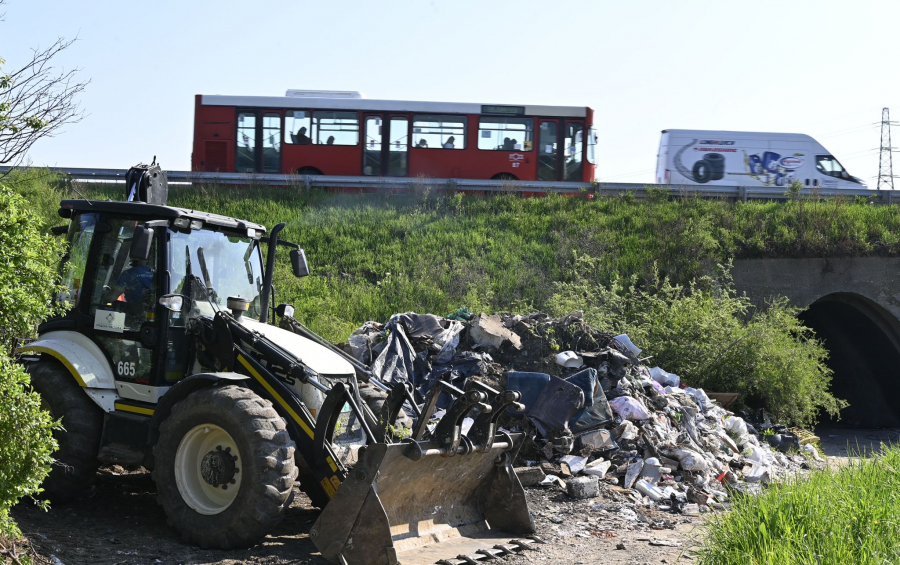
x=530 y=476
x=583 y=487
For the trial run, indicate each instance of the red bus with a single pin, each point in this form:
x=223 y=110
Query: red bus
x=343 y=133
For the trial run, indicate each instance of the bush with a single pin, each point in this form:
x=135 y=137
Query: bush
x=712 y=338
x=28 y=277
x=831 y=518
x=26 y=443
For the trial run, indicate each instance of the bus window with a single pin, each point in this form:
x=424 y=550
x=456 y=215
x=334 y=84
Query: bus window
x=271 y=143
x=505 y=134
x=297 y=127
x=592 y=146
x=246 y=143
x=434 y=131
x=335 y=128
x=573 y=146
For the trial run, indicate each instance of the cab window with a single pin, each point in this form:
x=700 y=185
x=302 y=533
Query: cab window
x=124 y=289
x=81 y=233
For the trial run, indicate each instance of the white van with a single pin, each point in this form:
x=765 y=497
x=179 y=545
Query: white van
x=744 y=158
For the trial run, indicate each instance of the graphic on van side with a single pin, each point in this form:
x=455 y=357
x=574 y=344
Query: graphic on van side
x=770 y=168
x=711 y=163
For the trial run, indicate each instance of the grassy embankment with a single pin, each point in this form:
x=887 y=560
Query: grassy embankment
x=373 y=255
x=832 y=518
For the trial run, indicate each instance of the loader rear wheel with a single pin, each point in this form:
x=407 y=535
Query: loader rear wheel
x=225 y=467
x=76 y=462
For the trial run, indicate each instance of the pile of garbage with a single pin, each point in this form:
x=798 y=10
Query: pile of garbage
x=595 y=414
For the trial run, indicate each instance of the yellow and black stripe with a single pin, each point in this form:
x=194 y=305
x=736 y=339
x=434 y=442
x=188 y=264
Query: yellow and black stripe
x=142 y=408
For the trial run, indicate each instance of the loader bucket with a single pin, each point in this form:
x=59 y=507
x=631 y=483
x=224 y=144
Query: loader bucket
x=411 y=503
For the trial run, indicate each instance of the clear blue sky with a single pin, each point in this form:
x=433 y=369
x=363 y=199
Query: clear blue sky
x=820 y=67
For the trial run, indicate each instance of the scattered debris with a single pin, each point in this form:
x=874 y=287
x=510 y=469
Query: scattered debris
x=597 y=417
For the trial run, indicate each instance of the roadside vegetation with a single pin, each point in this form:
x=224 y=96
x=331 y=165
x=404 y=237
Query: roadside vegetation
x=651 y=268
x=28 y=261
x=830 y=518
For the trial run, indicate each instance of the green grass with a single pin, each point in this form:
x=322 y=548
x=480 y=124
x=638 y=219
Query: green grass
x=850 y=516
x=372 y=255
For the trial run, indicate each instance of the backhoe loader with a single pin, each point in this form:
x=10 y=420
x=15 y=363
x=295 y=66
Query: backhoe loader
x=166 y=358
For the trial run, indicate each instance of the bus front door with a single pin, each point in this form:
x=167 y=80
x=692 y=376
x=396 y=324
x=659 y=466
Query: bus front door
x=386 y=146
x=548 y=151
x=560 y=150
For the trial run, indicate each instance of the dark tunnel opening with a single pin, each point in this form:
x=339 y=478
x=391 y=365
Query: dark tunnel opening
x=862 y=339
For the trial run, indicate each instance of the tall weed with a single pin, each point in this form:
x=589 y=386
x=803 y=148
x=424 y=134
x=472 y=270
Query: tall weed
x=831 y=518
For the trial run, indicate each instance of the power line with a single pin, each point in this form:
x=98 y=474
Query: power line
x=885 y=161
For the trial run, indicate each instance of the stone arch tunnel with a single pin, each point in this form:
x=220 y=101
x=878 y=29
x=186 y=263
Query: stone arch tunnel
x=853 y=304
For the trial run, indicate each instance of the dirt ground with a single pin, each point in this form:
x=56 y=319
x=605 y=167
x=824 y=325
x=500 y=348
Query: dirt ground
x=119 y=523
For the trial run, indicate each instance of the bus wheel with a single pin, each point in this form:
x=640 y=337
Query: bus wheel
x=308 y=171
x=504 y=176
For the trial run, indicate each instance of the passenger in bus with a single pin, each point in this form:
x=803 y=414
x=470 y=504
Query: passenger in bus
x=330 y=140
x=449 y=143
x=507 y=144
x=513 y=145
x=422 y=144
x=302 y=138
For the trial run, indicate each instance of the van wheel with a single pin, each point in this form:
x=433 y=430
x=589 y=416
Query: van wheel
x=75 y=467
x=702 y=172
x=225 y=467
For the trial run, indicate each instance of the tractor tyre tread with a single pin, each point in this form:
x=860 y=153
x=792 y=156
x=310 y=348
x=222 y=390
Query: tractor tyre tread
x=267 y=481
x=75 y=465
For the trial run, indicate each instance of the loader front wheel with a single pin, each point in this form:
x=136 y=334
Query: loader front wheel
x=225 y=467
x=75 y=464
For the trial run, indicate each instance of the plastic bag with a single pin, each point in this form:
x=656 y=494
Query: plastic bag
x=626 y=341
x=629 y=408
x=664 y=378
x=690 y=460
x=448 y=341
x=698 y=396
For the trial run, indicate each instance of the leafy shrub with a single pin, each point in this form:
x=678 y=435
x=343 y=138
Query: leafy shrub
x=26 y=443
x=28 y=262
x=711 y=337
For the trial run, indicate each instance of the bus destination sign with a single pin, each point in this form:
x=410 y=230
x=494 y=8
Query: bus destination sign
x=509 y=110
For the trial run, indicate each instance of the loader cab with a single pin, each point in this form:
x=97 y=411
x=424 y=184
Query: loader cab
x=112 y=290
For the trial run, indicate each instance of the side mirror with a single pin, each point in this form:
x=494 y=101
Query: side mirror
x=140 y=243
x=845 y=175
x=284 y=310
x=298 y=263
x=172 y=302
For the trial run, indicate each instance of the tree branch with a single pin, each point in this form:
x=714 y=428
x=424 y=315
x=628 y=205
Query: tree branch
x=36 y=101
